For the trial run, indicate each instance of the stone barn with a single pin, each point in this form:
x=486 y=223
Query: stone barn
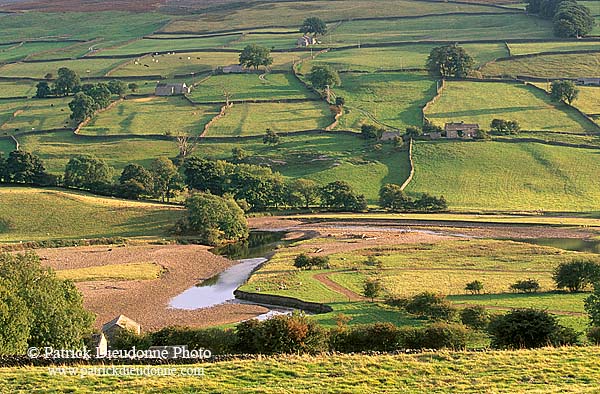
x=118 y=325
x=171 y=89
x=461 y=130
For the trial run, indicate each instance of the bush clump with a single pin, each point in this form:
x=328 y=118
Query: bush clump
x=306 y=262
x=432 y=306
x=475 y=317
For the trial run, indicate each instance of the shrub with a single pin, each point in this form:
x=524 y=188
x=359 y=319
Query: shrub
x=127 y=339
x=373 y=261
x=216 y=340
x=576 y=275
x=382 y=337
x=399 y=302
x=432 y=306
x=593 y=335
x=474 y=287
x=283 y=334
x=526 y=286
x=436 y=336
x=303 y=261
x=528 y=328
x=475 y=317
x=372 y=288
x=592 y=305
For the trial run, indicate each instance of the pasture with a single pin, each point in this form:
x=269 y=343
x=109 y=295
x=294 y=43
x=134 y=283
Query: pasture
x=292 y=14
x=86 y=68
x=507 y=176
x=17 y=116
x=187 y=63
x=525 y=48
x=588 y=101
x=481 y=102
x=112 y=272
x=16 y=89
x=16 y=52
x=547 y=66
x=158 y=116
x=243 y=87
x=397 y=58
x=446 y=27
x=254 y=119
x=391 y=99
x=75 y=215
x=144 y=45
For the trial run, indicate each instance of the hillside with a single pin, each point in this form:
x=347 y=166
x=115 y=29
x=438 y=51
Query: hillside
x=31 y=214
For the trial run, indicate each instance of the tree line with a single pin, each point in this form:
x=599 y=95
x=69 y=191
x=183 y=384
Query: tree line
x=569 y=18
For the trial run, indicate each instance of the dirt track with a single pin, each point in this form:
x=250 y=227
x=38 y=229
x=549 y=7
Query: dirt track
x=147 y=301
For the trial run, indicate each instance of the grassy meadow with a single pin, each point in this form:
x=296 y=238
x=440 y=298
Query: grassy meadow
x=548 y=370
x=16 y=52
x=17 y=116
x=446 y=27
x=547 y=66
x=242 y=87
x=525 y=48
x=16 y=89
x=262 y=15
x=254 y=119
x=159 y=115
x=507 y=176
x=481 y=102
x=149 y=45
x=397 y=58
x=588 y=101
x=74 y=215
x=87 y=67
x=393 y=99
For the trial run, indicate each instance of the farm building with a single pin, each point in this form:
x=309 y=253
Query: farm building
x=171 y=89
x=588 y=81
x=306 y=41
x=232 y=69
x=461 y=130
x=118 y=325
x=389 y=135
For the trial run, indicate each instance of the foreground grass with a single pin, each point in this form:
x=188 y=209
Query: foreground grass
x=132 y=271
x=481 y=102
x=31 y=214
x=507 y=176
x=548 y=370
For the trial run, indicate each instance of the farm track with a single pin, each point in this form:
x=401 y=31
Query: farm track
x=324 y=279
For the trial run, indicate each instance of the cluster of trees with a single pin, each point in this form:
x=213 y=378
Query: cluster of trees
x=214 y=219
x=449 y=60
x=504 y=126
x=303 y=261
x=89 y=97
x=564 y=91
x=314 y=25
x=25 y=167
x=570 y=18
x=393 y=198
x=161 y=180
x=257 y=188
x=37 y=309
x=255 y=56
x=415 y=132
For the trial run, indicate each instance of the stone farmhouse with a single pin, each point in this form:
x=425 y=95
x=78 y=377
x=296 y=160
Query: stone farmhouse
x=231 y=69
x=118 y=325
x=306 y=41
x=461 y=130
x=171 y=89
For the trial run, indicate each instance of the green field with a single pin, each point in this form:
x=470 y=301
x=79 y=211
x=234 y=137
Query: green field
x=480 y=102
x=153 y=45
x=548 y=370
x=112 y=26
x=292 y=14
x=547 y=66
x=73 y=51
x=588 y=101
x=507 y=176
x=159 y=116
x=16 y=89
x=17 y=116
x=394 y=99
x=449 y=27
x=85 y=68
x=272 y=41
x=250 y=87
x=71 y=215
x=397 y=58
x=15 y=52
x=537 y=47
x=254 y=119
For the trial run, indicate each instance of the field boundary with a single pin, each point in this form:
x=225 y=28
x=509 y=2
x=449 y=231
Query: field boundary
x=288 y=302
x=439 y=90
x=412 y=166
x=221 y=114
